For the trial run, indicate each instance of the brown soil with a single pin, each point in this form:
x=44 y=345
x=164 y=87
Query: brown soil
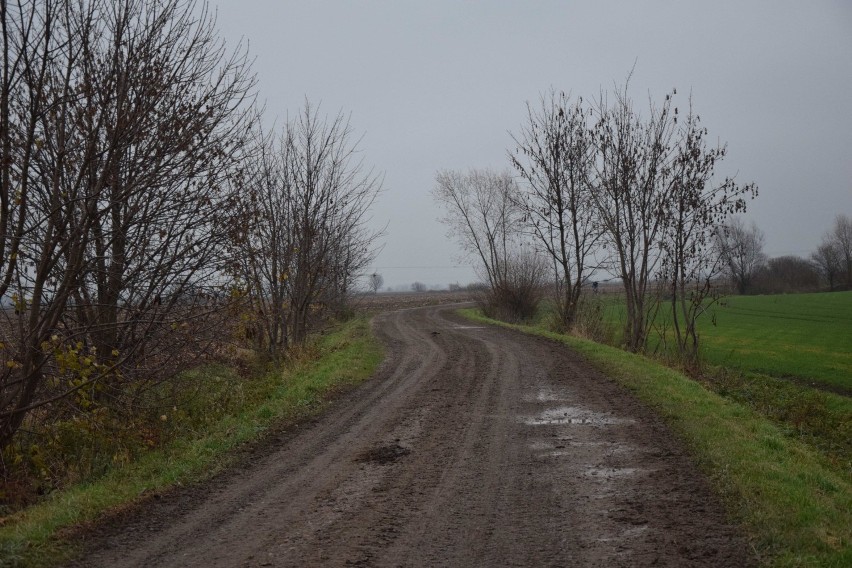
x=390 y=301
x=472 y=446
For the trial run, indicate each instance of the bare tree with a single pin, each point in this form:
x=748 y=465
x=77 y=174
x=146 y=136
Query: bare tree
x=482 y=212
x=418 y=287
x=375 y=282
x=829 y=261
x=695 y=206
x=482 y=215
x=171 y=110
x=301 y=238
x=43 y=220
x=261 y=243
x=331 y=195
x=786 y=274
x=633 y=164
x=741 y=248
x=841 y=235
x=554 y=157
x=119 y=121
x=658 y=205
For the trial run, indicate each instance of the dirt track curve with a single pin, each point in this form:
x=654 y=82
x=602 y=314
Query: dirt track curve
x=472 y=446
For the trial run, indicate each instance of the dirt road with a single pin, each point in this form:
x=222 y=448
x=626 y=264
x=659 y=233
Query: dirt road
x=473 y=446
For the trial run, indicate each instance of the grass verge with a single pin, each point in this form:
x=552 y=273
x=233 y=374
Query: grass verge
x=822 y=420
x=344 y=357
x=795 y=506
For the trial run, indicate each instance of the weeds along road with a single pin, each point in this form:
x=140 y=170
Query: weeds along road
x=472 y=446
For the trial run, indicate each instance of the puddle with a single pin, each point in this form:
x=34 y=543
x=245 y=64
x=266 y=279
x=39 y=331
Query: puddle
x=546 y=448
x=570 y=442
x=568 y=448
x=549 y=395
x=560 y=453
x=541 y=446
x=574 y=415
x=610 y=472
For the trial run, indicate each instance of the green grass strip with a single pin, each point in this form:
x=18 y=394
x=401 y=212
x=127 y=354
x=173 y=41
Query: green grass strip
x=796 y=508
x=347 y=356
x=805 y=336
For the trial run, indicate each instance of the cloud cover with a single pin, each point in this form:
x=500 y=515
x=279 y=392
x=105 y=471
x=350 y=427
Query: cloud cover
x=439 y=84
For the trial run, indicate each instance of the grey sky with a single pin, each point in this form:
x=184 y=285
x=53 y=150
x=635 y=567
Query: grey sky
x=439 y=84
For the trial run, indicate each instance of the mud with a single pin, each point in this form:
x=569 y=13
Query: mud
x=472 y=446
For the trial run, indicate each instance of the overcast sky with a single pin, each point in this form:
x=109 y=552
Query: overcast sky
x=440 y=84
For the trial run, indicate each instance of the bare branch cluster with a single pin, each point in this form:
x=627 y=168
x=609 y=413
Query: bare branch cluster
x=659 y=208
x=375 y=282
x=299 y=236
x=554 y=158
x=119 y=121
x=741 y=248
x=606 y=188
x=484 y=214
x=833 y=257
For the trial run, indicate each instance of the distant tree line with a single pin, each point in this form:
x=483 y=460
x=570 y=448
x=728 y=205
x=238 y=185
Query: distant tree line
x=751 y=271
x=143 y=209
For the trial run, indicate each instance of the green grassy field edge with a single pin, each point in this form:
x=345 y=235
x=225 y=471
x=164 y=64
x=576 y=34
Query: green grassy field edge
x=33 y=536
x=796 y=510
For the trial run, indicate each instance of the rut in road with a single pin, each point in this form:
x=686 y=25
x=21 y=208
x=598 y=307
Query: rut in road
x=472 y=446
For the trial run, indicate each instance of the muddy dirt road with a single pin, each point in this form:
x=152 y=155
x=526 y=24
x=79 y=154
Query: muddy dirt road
x=473 y=446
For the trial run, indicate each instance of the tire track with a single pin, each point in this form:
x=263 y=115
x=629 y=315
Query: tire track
x=472 y=446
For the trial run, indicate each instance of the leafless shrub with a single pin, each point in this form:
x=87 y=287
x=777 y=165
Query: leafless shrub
x=519 y=292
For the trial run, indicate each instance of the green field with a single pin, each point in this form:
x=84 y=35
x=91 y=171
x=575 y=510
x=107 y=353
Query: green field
x=806 y=336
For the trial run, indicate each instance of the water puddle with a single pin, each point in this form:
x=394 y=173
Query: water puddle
x=549 y=395
x=548 y=448
x=570 y=448
x=570 y=442
x=610 y=472
x=560 y=453
x=574 y=415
